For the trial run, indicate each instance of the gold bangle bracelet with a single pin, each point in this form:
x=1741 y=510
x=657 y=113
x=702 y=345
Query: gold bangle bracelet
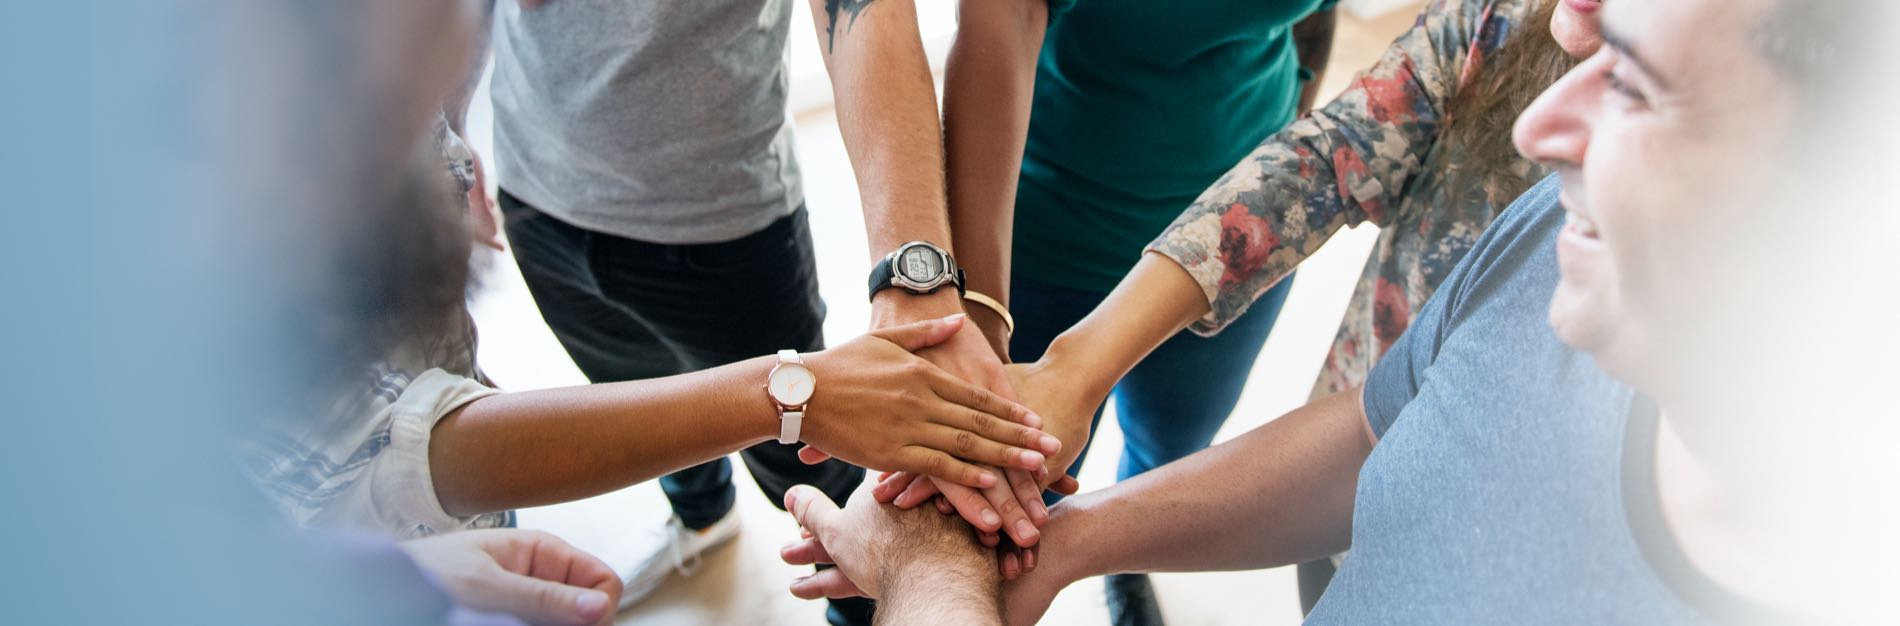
x=1009 y=322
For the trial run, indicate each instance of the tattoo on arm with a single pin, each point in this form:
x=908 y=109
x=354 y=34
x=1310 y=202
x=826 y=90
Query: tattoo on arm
x=832 y=8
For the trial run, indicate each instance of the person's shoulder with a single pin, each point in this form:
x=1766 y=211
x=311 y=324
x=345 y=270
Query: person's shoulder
x=1536 y=215
x=1517 y=250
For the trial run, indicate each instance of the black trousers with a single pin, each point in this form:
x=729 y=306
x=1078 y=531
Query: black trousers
x=631 y=310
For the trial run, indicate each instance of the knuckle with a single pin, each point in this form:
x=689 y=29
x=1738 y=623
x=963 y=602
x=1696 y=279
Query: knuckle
x=1030 y=437
x=917 y=368
x=966 y=442
x=974 y=420
x=1008 y=507
x=936 y=464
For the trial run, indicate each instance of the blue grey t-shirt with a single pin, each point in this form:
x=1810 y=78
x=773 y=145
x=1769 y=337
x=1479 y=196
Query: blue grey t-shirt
x=1494 y=494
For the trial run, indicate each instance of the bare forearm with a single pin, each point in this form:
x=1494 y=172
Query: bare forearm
x=1152 y=304
x=542 y=447
x=1280 y=494
x=887 y=113
x=1313 y=38
x=989 y=80
x=938 y=593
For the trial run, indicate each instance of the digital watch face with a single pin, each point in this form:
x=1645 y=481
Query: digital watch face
x=921 y=265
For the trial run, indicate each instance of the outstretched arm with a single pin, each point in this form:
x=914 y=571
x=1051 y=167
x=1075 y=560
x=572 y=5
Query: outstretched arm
x=1282 y=493
x=988 y=86
x=875 y=404
x=887 y=113
x=922 y=568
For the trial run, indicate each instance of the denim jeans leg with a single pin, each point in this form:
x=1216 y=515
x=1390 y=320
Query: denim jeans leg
x=1176 y=399
x=1042 y=312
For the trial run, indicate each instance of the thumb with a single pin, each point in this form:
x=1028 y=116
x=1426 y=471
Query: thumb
x=538 y=601
x=813 y=509
x=919 y=335
x=812 y=456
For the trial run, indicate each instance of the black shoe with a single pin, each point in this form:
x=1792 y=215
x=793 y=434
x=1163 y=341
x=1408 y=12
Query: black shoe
x=1131 y=601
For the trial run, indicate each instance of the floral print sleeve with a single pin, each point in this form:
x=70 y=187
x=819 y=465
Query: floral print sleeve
x=1346 y=164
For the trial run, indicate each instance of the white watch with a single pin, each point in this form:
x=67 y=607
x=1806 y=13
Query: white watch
x=790 y=386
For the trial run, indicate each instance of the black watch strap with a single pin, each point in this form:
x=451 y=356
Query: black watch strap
x=885 y=270
x=881 y=277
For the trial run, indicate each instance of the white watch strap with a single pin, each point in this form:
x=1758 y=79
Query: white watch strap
x=788 y=424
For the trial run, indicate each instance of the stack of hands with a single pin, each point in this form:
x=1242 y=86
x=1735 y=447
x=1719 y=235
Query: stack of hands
x=886 y=539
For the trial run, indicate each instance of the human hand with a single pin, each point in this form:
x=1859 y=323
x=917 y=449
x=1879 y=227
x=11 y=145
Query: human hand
x=969 y=354
x=1027 y=598
x=881 y=406
x=1041 y=384
x=883 y=552
x=1014 y=509
x=529 y=574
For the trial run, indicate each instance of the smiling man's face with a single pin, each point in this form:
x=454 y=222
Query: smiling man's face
x=1658 y=138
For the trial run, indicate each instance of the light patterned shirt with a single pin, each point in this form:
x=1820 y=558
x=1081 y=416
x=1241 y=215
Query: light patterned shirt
x=1373 y=155
x=364 y=463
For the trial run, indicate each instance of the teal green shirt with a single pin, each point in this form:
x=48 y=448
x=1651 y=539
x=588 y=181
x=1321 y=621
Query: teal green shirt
x=1139 y=106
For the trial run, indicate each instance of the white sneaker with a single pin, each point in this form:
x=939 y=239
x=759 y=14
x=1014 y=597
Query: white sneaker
x=677 y=550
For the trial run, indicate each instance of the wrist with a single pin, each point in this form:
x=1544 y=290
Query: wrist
x=1075 y=357
x=995 y=330
x=1067 y=555
x=892 y=307
x=759 y=411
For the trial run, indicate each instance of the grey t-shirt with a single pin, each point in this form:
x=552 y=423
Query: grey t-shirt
x=657 y=121
x=1494 y=494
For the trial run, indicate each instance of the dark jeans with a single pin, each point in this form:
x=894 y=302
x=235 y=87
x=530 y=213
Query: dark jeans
x=1172 y=403
x=632 y=310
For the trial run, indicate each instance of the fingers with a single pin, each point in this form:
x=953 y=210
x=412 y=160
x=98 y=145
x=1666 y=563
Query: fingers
x=540 y=601
x=940 y=465
x=918 y=492
x=1066 y=485
x=813 y=509
x=811 y=455
x=1016 y=521
x=892 y=484
x=829 y=583
x=1008 y=422
x=1012 y=566
x=976 y=448
x=556 y=560
x=805 y=551
x=974 y=508
x=944 y=506
x=1028 y=494
x=919 y=335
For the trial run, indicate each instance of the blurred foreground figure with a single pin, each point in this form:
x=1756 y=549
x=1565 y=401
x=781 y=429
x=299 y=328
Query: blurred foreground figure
x=1650 y=394
x=212 y=200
